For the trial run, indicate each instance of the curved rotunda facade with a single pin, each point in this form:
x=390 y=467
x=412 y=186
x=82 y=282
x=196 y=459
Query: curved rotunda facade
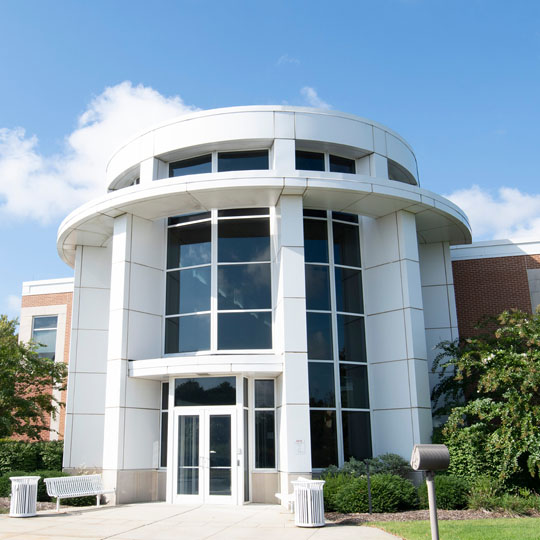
x=256 y=297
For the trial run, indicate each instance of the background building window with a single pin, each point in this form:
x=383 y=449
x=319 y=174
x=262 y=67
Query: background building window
x=219 y=299
x=338 y=381
x=265 y=430
x=44 y=333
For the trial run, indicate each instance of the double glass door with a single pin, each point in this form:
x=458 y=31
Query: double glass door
x=205 y=460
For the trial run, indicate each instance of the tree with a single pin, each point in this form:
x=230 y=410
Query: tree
x=490 y=387
x=26 y=385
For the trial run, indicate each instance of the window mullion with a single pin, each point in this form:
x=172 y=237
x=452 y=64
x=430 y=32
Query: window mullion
x=213 y=279
x=335 y=342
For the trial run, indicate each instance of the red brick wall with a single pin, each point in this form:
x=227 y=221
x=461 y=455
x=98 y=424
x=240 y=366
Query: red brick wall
x=489 y=286
x=55 y=299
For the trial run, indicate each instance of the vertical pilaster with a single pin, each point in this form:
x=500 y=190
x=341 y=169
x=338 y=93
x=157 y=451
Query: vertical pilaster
x=398 y=375
x=293 y=392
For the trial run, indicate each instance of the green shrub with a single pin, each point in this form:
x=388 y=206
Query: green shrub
x=30 y=456
x=452 y=492
x=485 y=493
x=383 y=464
x=389 y=493
x=17 y=456
x=50 y=454
x=331 y=486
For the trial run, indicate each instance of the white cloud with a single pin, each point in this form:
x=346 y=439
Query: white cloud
x=312 y=98
x=286 y=59
x=508 y=213
x=44 y=187
x=13 y=305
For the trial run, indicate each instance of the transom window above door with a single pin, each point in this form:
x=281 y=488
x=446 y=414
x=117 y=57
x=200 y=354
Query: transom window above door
x=218 y=294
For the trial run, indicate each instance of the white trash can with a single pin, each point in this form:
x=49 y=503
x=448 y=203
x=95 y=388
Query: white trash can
x=308 y=503
x=23 y=496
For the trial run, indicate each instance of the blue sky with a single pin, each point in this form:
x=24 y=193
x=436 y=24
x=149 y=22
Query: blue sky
x=459 y=80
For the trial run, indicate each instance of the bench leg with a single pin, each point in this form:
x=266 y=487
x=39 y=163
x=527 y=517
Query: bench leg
x=98 y=499
x=58 y=504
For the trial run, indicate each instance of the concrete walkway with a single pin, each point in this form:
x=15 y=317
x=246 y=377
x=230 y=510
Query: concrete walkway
x=160 y=521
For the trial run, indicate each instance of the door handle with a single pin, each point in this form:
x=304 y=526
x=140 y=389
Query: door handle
x=212 y=452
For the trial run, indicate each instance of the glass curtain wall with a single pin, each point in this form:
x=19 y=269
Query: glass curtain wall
x=219 y=282
x=338 y=383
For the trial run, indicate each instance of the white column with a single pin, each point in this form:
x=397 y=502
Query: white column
x=398 y=371
x=293 y=392
x=83 y=438
x=438 y=299
x=130 y=456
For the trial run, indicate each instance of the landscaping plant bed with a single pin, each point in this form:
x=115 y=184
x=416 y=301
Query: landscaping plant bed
x=417 y=515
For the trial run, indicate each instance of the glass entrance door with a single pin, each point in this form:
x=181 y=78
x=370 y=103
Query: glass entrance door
x=205 y=466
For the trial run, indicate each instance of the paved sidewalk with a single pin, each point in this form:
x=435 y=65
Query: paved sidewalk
x=160 y=521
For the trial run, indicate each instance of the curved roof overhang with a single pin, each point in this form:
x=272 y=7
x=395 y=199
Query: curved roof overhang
x=437 y=219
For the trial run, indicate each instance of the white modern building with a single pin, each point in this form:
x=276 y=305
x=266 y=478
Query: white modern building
x=255 y=298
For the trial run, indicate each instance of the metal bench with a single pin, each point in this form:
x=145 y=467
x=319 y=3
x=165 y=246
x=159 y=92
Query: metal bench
x=66 y=487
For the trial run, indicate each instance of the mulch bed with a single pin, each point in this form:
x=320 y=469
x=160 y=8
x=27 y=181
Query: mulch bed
x=4 y=503
x=417 y=515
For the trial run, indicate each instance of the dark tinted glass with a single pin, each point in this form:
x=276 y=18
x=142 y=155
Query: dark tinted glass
x=244 y=286
x=244 y=212
x=246 y=452
x=315 y=213
x=321 y=385
x=319 y=334
x=243 y=161
x=356 y=435
x=220 y=440
x=315 y=241
x=351 y=338
x=342 y=165
x=265 y=444
x=165 y=396
x=317 y=287
x=245 y=399
x=164 y=438
x=309 y=161
x=346 y=244
x=342 y=216
x=188 y=291
x=323 y=439
x=189 y=245
x=45 y=322
x=245 y=330
x=188 y=455
x=220 y=481
x=205 y=391
x=354 y=386
x=264 y=394
x=244 y=240
x=187 y=334
x=196 y=165
x=349 y=290
x=186 y=218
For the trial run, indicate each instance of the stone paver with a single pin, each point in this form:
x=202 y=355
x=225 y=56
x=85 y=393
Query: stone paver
x=160 y=521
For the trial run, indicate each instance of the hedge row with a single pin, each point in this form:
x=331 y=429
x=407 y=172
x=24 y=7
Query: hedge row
x=30 y=456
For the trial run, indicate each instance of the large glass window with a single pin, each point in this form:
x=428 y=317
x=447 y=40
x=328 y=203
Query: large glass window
x=265 y=430
x=243 y=161
x=338 y=381
x=196 y=165
x=44 y=333
x=317 y=161
x=205 y=391
x=219 y=299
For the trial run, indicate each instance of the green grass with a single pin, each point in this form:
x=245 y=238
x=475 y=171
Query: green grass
x=473 y=529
